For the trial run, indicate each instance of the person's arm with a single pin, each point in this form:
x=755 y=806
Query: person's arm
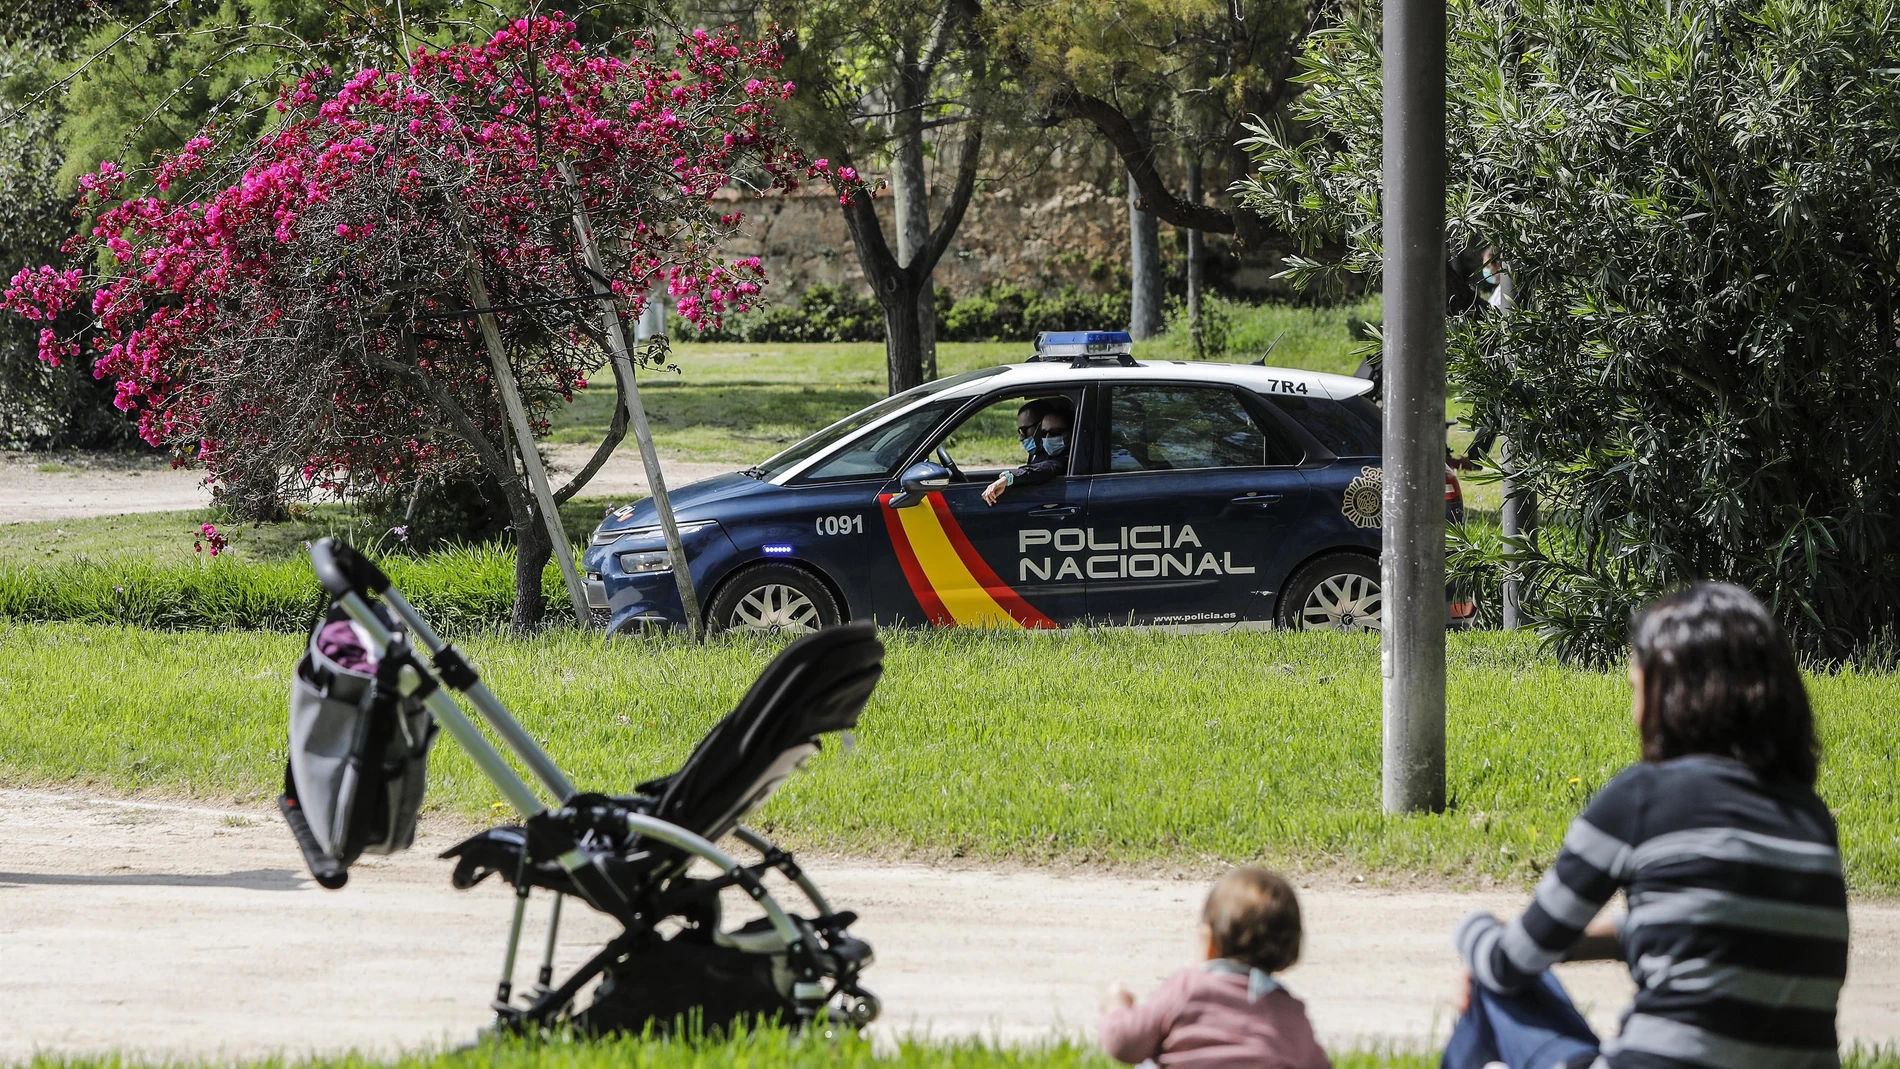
x=1040 y=470
x=1588 y=870
x=1133 y=1033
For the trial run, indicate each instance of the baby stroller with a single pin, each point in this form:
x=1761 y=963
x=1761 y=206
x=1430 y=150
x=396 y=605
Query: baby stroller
x=364 y=711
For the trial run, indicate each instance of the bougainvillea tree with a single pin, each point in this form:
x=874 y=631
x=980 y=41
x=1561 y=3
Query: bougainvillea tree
x=294 y=311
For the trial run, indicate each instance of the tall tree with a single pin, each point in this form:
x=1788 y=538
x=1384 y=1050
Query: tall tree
x=375 y=288
x=889 y=85
x=1700 y=209
x=1145 y=73
x=42 y=405
x=1144 y=269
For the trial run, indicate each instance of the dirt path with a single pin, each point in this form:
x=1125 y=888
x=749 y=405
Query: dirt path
x=68 y=487
x=71 y=486
x=187 y=932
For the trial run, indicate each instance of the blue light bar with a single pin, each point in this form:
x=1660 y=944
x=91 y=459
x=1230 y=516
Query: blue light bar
x=1084 y=345
x=776 y=550
x=1105 y=339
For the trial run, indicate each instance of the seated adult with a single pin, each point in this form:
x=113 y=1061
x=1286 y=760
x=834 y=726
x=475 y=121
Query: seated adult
x=1736 y=933
x=1043 y=427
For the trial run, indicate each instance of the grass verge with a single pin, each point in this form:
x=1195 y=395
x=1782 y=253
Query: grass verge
x=461 y=589
x=777 y=1049
x=1110 y=746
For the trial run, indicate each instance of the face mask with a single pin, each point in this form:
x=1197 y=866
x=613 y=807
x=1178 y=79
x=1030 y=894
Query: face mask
x=1030 y=445
x=1055 y=446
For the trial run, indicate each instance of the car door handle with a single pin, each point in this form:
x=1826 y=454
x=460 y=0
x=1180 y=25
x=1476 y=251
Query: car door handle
x=1055 y=510
x=1259 y=500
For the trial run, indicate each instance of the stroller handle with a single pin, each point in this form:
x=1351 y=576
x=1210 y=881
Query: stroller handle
x=342 y=570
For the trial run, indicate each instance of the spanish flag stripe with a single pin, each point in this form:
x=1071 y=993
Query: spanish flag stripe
x=1000 y=592
x=962 y=595
x=927 y=598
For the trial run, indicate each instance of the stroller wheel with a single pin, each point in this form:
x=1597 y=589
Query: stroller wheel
x=862 y=1008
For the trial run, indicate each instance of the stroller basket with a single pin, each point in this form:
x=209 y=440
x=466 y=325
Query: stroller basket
x=365 y=707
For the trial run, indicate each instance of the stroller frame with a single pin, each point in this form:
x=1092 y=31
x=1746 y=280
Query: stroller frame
x=815 y=949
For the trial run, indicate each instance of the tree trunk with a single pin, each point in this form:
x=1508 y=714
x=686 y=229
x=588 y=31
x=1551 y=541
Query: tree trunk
x=903 y=338
x=533 y=550
x=1194 y=265
x=1144 y=269
x=912 y=195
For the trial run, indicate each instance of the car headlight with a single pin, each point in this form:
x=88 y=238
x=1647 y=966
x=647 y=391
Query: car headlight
x=603 y=538
x=650 y=560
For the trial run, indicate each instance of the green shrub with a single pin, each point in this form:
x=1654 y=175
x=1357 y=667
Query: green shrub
x=998 y=313
x=823 y=314
x=1001 y=312
x=461 y=589
x=1700 y=206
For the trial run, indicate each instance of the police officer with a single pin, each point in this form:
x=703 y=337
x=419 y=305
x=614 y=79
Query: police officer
x=1043 y=427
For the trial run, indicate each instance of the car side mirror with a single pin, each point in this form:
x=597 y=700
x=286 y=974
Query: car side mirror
x=919 y=480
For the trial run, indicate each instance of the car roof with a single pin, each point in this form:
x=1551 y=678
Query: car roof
x=1253 y=376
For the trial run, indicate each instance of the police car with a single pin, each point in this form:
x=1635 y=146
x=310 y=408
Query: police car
x=1197 y=496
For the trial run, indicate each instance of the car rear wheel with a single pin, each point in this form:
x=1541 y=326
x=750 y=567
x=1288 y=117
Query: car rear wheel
x=1338 y=592
x=774 y=599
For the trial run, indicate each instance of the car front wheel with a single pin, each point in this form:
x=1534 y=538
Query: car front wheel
x=1338 y=592
x=774 y=599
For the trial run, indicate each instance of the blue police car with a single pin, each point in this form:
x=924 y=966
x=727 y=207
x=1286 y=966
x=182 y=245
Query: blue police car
x=1192 y=496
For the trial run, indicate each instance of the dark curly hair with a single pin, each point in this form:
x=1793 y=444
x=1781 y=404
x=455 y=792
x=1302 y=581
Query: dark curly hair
x=1718 y=677
x=1255 y=919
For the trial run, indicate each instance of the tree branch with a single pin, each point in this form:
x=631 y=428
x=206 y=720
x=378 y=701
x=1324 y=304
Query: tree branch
x=492 y=458
x=616 y=431
x=960 y=195
x=880 y=264
x=1137 y=155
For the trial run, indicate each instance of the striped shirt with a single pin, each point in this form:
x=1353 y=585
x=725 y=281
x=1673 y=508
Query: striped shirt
x=1736 y=934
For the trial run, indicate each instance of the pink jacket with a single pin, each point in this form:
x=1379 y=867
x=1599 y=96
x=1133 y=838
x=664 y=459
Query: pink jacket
x=1203 y=1019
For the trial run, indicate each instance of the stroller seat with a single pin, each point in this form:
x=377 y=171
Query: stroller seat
x=816 y=686
x=629 y=856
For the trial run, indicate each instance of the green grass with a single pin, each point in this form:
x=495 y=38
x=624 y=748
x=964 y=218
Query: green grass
x=739 y=403
x=768 y=1048
x=777 y=1049
x=167 y=537
x=462 y=589
x=1098 y=746
x=1309 y=338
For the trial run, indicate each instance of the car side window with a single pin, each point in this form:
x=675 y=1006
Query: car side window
x=1349 y=428
x=1164 y=428
x=879 y=452
x=989 y=440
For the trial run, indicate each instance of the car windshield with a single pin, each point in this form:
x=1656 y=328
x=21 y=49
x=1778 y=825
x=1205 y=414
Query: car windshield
x=861 y=419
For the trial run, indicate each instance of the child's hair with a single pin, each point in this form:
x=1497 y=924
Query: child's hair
x=1719 y=677
x=1255 y=919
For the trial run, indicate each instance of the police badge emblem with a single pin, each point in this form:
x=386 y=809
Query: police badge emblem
x=1365 y=497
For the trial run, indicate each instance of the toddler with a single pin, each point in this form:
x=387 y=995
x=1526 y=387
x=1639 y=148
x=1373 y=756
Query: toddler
x=1230 y=1011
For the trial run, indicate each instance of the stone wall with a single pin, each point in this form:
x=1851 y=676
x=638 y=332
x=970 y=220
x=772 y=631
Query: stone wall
x=1054 y=230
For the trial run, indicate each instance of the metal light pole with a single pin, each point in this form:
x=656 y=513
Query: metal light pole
x=1412 y=652
x=1511 y=525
